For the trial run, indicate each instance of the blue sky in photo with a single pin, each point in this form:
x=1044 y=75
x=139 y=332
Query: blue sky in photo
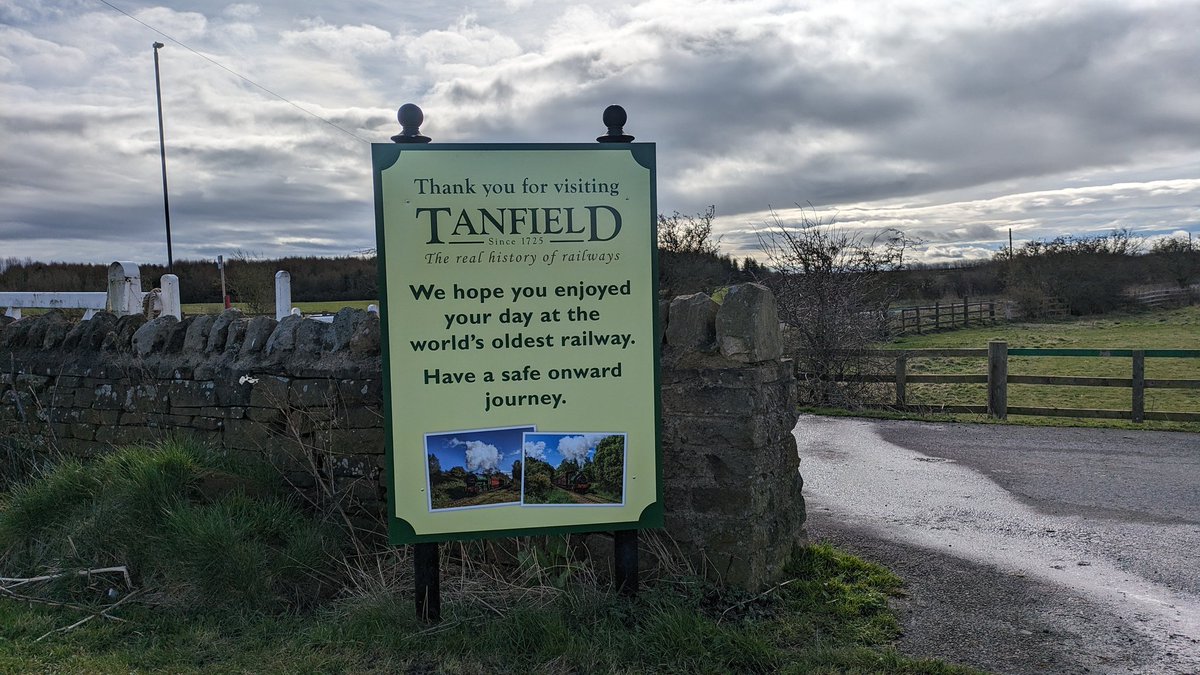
x=496 y=449
x=554 y=447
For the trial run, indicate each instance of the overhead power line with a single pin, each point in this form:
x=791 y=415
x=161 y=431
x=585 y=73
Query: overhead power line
x=236 y=74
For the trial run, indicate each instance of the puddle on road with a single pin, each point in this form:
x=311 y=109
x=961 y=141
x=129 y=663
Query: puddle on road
x=939 y=504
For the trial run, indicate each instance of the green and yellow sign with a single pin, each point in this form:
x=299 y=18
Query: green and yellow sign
x=519 y=307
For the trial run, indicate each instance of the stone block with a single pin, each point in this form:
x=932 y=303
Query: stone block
x=94 y=331
x=264 y=415
x=195 y=339
x=97 y=417
x=63 y=414
x=121 y=435
x=351 y=466
x=747 y=325
x=152 y=336
x=16 y=333
x=692 y=322
x=258 y=331
x=269 y=391
x=145 y=396
x=365 y=341
x=312 y=393
x=245 y=435
x=135 y=418
x=235 y=389
x=218 y=333
x=311 y=336
x=83 y=432
x=358 y=489
x=345 y=324
x=361 y=417
x=283 y=338
x=110 y=396
x=192 y=393
x=355 y=391
x=236 y=335
x=36 y=332
x=359 y=441
x=125 y=328
x=178 y=336
x=207 y=423
x=56 y=334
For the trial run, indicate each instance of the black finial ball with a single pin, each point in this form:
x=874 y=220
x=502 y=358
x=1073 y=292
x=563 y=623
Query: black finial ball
x=614 y=119
x=614 y=116
x=410 y=115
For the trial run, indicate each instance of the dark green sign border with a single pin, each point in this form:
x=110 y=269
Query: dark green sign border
x=383 y=156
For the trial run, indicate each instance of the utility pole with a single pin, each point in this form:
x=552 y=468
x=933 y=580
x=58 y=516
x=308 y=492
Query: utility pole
x=162 y=153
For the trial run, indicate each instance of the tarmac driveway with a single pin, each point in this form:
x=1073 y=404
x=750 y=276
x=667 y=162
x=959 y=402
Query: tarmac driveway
x=1025 y=549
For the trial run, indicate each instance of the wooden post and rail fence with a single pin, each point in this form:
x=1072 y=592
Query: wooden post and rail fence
x=940 y=316
x=998 y=378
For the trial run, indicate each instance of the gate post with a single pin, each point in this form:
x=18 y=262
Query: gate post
x=1139 y=385
x=283 y=294
x=997 y=404
x=169 y=283
x=124 y=289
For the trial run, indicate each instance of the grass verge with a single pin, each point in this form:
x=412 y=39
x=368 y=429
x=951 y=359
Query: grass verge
x=212 y=570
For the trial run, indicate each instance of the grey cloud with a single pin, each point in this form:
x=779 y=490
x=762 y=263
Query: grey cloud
x=826 y=110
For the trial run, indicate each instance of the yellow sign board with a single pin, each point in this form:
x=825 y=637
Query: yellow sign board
x=519 y=290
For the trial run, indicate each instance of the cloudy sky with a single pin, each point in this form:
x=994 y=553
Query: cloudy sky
x=953 y=121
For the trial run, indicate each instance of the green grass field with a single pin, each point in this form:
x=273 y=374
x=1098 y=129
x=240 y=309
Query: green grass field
x=246 y=580
x=1165 y=329
x=305 y=307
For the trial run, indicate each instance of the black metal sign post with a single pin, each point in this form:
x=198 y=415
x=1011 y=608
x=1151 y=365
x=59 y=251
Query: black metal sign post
x=625 y=542
x=427 y=580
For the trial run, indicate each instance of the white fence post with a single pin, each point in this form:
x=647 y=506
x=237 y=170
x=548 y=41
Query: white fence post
x=169 y=283
x=124 y=289
x=283 y=295
x=14 y=312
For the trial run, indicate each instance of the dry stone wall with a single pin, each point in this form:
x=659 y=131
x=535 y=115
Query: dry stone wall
x=307 y=396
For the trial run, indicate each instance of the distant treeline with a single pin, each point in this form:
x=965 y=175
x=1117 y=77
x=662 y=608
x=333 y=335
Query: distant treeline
x=246 y=279
x=1088 y=273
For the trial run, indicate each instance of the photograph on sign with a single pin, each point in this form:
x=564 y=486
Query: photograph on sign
x=573 y=469
x=474 y=468
x=519 y=288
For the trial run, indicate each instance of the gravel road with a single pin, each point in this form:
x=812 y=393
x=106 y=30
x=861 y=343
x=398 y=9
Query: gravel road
x=1025 y=549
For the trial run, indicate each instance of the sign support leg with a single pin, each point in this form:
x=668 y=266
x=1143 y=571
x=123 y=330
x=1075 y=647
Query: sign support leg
x=625 y=562
x=428 y=582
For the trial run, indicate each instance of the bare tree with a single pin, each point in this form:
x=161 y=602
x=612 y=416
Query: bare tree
x=1089 y=274
x=689 y=255
x=1178 y=258
x=251 y=279
x=679 y=233
x=833 y=292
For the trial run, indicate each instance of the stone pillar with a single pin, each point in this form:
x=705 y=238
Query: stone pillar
x=731 y=479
